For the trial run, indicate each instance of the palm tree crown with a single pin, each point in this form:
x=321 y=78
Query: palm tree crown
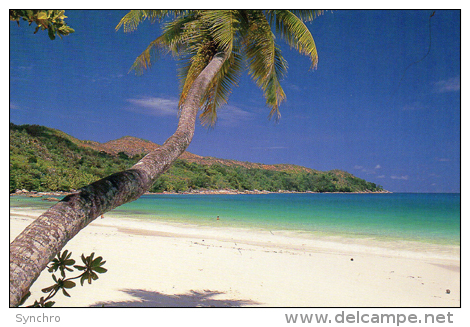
x=246 y=38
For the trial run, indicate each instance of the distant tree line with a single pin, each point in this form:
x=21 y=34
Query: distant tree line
x=43 y=159
x=185 y=175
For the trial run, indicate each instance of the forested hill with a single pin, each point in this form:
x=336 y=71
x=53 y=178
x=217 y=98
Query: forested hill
x=45 y=159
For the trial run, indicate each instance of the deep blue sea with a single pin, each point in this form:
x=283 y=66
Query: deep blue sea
x=430 y=218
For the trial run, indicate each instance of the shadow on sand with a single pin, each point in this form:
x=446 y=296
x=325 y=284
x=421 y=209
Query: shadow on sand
x=192 y=299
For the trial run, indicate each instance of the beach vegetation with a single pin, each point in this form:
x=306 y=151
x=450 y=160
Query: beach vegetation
x=44 y=160
x=64 y=264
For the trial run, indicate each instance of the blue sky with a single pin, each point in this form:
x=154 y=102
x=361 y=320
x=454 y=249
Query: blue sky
x=362 y=110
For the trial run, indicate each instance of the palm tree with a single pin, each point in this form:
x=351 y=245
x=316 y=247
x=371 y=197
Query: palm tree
x=212 y=47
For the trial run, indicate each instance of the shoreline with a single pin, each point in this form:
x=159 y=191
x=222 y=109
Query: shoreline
x=200 y=191
x=278 y=238
x=379 y=238
x=176 y=264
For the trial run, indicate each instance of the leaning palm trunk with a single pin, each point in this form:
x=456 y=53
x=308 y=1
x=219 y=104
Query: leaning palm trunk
x=33 y=249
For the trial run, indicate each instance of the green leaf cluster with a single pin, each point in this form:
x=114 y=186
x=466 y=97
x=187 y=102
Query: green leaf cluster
x=91 y=268
x=50 y=20
x=63 y=262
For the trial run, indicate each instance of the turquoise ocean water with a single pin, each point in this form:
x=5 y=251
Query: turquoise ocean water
x=430 y=218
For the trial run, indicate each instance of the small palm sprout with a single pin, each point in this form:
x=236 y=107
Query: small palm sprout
x=63 y=263
x=91 y=267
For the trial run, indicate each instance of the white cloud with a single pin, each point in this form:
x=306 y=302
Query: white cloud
x=268 y=148
x=405 y=177
x=292 y=86
x=368 y=171
x=443 y=159
x=154 y=106
x=30 y=67
x=229 y=115
x=381 y=176
x=13 y=106
x=103 y=79
x=414 y=106
x=448 y=85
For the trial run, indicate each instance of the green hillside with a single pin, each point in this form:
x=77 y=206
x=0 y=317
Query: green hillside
x=45 y=159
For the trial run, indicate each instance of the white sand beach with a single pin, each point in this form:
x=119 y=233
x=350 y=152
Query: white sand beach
x=153 y=264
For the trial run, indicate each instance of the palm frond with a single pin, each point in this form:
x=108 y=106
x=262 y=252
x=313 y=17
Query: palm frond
x=182 y=32
x=307 y=15
x=274 y=92
x=218 y=92
x=174 y=38
x=216 y=32
x=297 y=35
x=194 y=65
x=144 y=60
x=133 y=18
x=266 y=64
x=222 y=25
